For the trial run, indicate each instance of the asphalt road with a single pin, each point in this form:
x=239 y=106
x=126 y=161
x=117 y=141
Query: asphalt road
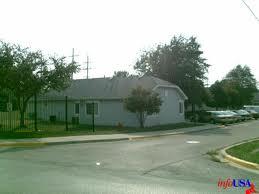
x=159 y=165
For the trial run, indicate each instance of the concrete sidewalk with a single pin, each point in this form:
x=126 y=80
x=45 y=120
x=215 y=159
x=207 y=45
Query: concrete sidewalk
x=101 y=138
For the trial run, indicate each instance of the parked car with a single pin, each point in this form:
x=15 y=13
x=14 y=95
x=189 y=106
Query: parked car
x=235 y=116
x=214 y=117
x=254 y=114
x=244 y=114
x=251 y=107
x=218 y=117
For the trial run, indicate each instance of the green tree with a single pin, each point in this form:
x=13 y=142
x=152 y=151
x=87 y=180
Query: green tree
x=207 y=98
x=219 y=95
x=124 y=74
x=241 y=86
x=6 y=61
x=179 y=62
x=235 y=90
x=121 y=74
x=143 y=102
x=28 y=73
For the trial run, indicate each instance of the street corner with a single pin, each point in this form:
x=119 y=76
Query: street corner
x=236 y=161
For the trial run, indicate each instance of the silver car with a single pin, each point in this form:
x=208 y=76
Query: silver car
x=236 y=117
x=220 y=117
x=244 y=114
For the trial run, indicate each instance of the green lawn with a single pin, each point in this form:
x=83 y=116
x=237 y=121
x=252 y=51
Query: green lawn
x=56 y=130
x=247 y=151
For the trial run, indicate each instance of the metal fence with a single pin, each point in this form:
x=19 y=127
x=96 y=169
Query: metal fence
x=41 y=113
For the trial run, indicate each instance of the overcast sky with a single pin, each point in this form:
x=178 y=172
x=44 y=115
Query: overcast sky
x=113 y=33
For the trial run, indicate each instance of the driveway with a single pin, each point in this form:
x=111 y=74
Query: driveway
x=173 y=164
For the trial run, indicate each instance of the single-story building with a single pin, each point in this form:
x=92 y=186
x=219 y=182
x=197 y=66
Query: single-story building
x=107 y=94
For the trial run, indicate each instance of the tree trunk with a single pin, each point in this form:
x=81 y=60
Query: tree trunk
x=141 y=119
x=22 y=109
x=193 y=108
x=22 y=123
x=141 y=123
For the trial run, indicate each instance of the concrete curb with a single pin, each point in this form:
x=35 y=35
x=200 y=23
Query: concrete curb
x=42 y=143
x=37 y=144
x=22 y=144
x=237 y=161
x=154 y=136
x=85 y=141
x=169 y=134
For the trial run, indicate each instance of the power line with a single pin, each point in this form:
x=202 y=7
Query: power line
x=250 y=10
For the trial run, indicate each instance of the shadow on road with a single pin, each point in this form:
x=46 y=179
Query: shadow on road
x=17 y=149
x=219 y=131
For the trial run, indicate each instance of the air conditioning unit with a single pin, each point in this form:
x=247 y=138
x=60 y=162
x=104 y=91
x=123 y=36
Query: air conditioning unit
x=52 y=118
x=75 y=120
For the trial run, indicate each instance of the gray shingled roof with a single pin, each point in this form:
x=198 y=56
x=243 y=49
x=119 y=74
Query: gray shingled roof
x=108 y=88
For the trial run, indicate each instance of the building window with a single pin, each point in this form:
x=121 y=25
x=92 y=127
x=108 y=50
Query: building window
x=166 y=92
x=181 y=107
x=90 y=106
x=77 y=108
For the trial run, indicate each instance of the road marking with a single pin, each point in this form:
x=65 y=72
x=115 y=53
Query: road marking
x=193 y=142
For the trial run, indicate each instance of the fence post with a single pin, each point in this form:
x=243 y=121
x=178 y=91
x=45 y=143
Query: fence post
x=35 y=112
x=66 y=113
x=93 y=116
x=9 y=109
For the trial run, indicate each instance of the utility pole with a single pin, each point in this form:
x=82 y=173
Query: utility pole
x=73 y=57
x=87 y=63
x=207 y=83
x=87 y=67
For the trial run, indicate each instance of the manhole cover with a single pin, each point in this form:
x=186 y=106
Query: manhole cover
x=192 y=142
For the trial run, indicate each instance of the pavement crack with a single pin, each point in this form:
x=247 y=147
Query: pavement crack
x=170 y=163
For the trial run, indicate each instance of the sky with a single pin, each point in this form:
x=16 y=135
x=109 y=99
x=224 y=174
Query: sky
x=114 y=33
